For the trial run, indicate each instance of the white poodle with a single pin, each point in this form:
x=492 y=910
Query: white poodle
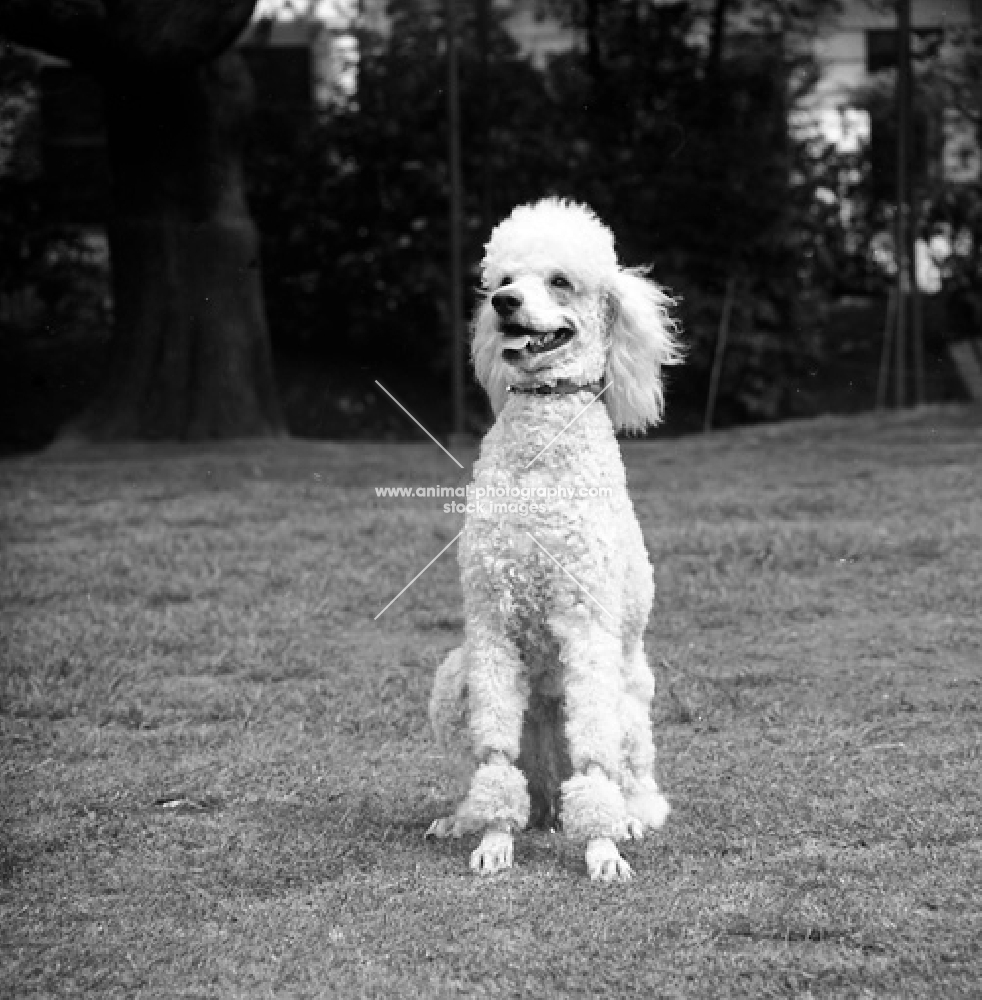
x=551 y=689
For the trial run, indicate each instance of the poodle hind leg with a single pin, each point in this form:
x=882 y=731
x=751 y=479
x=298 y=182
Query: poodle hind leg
x=448 y=713
x=646 y=806
x=444 y=827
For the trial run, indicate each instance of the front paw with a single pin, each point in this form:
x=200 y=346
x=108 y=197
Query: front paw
x=493 y=854
x=604 y=863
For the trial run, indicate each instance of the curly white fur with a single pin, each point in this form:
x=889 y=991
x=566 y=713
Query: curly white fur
x=556 y=601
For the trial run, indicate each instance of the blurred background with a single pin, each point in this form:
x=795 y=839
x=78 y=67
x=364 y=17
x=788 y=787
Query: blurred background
x=754 y=153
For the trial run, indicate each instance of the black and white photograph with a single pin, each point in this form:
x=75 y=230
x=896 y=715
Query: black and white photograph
x=491 y=499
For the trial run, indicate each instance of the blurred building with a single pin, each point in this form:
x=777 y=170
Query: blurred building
x=331 y=29
x=859 y=42
x=303 y=52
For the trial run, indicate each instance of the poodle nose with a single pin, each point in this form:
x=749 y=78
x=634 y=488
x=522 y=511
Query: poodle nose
x=506 y=303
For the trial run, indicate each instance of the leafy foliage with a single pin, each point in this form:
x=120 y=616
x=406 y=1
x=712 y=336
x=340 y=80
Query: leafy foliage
x=690 y=164
x=947 y=213
x=52 y=278
x=354 y=209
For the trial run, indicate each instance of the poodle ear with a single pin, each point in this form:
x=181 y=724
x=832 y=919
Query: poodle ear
x=643 y=339
x=489 y=367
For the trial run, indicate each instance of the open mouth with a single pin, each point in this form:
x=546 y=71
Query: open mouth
x=519 y=338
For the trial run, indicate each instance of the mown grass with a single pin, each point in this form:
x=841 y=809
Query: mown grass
x=216 y=770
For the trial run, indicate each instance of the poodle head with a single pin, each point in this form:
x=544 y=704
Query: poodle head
x=557 y=305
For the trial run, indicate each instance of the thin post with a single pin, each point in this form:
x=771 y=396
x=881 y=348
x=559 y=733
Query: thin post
x=888 y=328
x=483 y=113
x=456 y=198
x=916 y=313
x=903 y=198
x=721 y=335
x=917 y=334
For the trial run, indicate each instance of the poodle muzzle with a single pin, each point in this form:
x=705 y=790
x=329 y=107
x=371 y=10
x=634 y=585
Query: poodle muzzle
x=519 y=338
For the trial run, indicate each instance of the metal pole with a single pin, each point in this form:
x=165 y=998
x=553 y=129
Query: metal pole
x=903 y=198
x=456 y=198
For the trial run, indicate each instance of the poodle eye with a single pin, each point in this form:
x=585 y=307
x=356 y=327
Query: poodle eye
x=561 y=281
x=506 y=280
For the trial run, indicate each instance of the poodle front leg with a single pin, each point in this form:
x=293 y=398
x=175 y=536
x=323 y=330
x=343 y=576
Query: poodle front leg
x=593 y=805
x=495 y=852
x=604 y=861
x=498 y=798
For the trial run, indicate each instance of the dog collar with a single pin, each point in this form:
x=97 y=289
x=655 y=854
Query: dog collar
x=563 y=387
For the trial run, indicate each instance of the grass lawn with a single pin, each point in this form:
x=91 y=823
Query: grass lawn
x=217 y=772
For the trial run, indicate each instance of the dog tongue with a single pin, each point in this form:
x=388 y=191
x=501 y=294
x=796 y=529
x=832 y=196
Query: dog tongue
x=517 y=342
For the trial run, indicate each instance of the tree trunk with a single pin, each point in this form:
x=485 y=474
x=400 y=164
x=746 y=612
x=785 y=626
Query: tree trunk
x=190 y=355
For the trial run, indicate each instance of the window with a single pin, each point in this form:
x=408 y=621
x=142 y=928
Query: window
x=881 y=47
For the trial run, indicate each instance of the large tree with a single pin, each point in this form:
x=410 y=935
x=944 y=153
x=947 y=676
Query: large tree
x=190 y=355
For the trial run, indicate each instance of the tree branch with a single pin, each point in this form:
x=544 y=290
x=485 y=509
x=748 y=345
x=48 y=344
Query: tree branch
x=76 y=30
x=99 y=35
x=173 y=33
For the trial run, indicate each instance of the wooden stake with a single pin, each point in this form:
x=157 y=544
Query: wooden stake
x=888 y=327
x=917 y=337
x=721 y=335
